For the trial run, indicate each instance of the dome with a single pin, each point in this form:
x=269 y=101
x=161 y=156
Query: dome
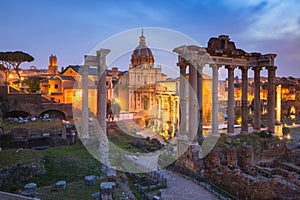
x=142 y=55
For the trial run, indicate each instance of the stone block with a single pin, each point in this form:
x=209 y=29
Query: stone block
x=29 y=190
x=96 y=196
x=111 y=174
x=107 y=190
x=60 y=185
x=231 y=155
x=90 y=180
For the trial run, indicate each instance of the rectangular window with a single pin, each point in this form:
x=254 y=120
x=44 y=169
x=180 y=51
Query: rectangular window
x=56 y=86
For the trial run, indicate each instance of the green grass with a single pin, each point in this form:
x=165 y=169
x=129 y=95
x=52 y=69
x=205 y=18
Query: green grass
x=249 y=139
x=69 y=163
x=37 y=126
x=133 y=189
x=10 y=157
x=76 y=190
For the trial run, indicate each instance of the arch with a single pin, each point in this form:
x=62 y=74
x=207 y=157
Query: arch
x=53 y=113
x=17 y=113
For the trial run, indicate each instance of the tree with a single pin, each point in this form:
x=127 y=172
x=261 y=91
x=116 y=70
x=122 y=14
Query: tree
x=12 y=60
x=33 y=82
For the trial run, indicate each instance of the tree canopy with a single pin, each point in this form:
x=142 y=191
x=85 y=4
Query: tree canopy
x=12 y=60
x=33 y=82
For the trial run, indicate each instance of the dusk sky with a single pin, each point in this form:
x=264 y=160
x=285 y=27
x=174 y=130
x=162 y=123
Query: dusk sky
x=71 y=29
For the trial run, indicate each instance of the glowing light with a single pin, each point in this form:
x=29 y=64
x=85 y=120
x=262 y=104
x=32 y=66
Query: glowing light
x=239 y=120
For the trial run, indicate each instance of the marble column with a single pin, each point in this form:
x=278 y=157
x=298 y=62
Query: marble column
x=230 y=112
x=257 y=105
x=215 y=99
x=193 y=108
x=182 y=96
x=85 y=101
x=271 y=98
x=244 y=99
x=200 y=101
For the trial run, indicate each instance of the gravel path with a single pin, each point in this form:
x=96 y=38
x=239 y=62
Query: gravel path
x=180 y=188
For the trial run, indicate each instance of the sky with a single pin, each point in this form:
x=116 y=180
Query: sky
x=71 y=29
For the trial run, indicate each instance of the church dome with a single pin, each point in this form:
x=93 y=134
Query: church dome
x=142 y=55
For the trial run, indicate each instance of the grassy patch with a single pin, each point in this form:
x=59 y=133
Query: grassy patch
x=69 y=163
x=10 y=157
x=36 y=126
x=254 y=140
x=133 y=189
x=76 y=190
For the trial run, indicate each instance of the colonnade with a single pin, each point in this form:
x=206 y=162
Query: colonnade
x=194 y=57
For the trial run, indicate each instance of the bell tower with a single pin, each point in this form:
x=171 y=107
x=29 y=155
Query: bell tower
x=52 y=66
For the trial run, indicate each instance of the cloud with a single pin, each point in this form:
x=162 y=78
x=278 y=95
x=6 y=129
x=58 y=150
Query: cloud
x=274 y=19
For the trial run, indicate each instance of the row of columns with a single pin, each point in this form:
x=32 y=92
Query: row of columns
x=195 y=101
x=195 y=113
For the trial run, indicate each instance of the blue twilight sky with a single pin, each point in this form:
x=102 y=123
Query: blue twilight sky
x=70 y=29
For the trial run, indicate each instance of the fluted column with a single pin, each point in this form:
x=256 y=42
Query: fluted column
x=244 y=99
x=230 y=112
x=200 y=101
x=182 y=96
x=193 y=110
x=215 y=99
x=257 y=105
x=271 y=98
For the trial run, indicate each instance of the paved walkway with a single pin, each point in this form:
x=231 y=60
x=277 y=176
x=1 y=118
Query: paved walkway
x=180 y=188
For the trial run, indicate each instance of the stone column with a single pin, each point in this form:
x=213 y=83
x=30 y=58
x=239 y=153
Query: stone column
x=193 y=110
x=278 y=103
x=244 y=99
x=85 y=101
x=230 y=112
x=257 y=105
x=271 y=98
x=101 y=94
x=215 y=99
x=182 y=96
x=200 y=101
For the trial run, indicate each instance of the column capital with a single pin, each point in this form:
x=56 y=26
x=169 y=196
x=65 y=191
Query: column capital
x=271 y=68
x=215 y=66
x=182 y=62
x=256 y=68
x=244 y=68
x=230 y=67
